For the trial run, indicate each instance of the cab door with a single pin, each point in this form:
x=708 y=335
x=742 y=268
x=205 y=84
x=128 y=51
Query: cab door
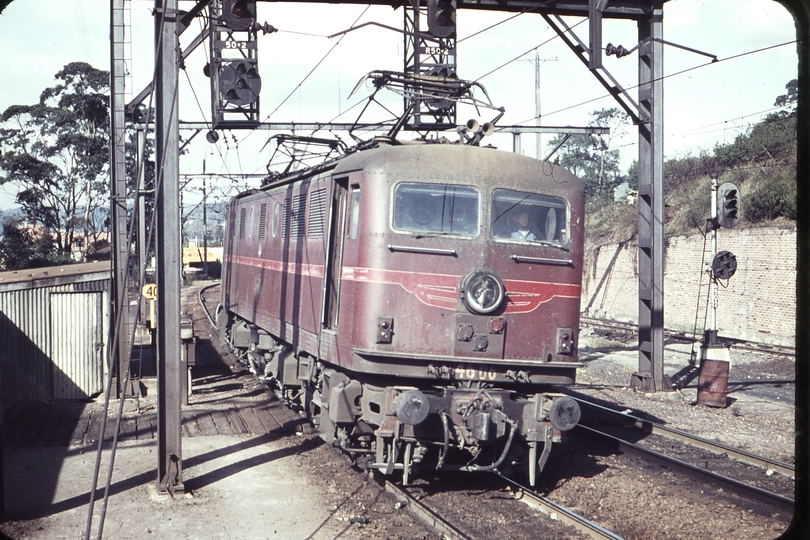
x=334 y=255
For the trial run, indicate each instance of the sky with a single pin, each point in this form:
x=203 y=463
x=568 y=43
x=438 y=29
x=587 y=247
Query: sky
x=705 y=103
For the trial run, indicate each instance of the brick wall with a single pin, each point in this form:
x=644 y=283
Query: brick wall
x=758 y=304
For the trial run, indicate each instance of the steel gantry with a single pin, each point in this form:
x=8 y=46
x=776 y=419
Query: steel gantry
x=646 y=114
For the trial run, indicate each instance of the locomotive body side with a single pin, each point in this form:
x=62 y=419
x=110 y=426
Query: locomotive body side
x=274 y=263
x=415 y=301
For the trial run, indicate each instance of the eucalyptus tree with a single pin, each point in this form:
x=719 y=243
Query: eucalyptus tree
x=592 y=157
x=56 y=154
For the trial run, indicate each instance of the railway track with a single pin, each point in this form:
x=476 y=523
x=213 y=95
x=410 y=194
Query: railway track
x=448 y=530
x=625 y=332
x=453 y=529
x=205 y=308
x=749 y=475
x=566 y=516
x=481 y=509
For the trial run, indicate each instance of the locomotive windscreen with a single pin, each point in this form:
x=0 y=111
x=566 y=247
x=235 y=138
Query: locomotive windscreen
x=530 y=217
x=436 y=208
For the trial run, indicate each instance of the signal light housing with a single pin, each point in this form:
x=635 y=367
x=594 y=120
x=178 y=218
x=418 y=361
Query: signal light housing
x=724 y=265
x=238 y=14
x=728 y=205
x=239 y=83
x=442 y=17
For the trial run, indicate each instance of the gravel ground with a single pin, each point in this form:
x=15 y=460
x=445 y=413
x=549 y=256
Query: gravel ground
x=759 y=418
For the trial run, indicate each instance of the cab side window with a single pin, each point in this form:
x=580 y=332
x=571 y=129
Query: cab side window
x=529 y=217
x=436 y=208
x=354 y=212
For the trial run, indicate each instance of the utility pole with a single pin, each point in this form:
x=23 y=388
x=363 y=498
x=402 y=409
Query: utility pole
x=537 y=110
x=118 y=201
x=537 y=61
x=205 y=222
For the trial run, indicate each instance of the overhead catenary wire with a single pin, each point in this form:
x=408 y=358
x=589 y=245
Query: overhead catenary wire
x=339 y=41
x=687 y=70
x=729 y=120
x=515 y=59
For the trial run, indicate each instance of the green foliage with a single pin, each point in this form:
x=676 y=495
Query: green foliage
x=761 y=162
x=591 y=159
x=769 y=195
x=681 y=169
x=56 y=153
x=21 y=248
x=611 y=223
x=772 y=139
x=632 y=175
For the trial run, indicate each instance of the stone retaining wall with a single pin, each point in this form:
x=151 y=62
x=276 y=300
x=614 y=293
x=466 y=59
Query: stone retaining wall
x=758 y=303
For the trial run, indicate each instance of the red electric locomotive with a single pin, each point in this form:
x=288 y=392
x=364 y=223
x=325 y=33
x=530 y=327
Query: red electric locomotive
x=416 y=300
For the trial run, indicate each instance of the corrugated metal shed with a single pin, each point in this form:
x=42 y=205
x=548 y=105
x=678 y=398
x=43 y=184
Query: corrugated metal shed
x=53 y=332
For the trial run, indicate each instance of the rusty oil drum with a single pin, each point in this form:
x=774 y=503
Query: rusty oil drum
x=713 y=383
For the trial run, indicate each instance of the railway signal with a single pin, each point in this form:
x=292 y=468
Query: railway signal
x=239 y=83
x=728 y=205
x=724 y=265
x=238 y=14
x=442 y=17
x=715 y=356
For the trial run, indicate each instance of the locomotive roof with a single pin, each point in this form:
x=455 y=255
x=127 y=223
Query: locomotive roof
x=473 y=162
x=418 y=159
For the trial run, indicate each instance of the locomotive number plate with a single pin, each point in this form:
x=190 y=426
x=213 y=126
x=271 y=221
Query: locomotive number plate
x=478 y=373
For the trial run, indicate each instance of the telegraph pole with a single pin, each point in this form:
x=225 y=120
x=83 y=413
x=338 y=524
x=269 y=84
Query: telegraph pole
x=537 y=111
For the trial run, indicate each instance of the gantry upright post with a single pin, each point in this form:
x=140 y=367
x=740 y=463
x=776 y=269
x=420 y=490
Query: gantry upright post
x=118 y=194
x=169 y=359
x=650 y=375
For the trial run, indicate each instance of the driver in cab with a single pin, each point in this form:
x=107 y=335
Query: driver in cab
x=524 y=231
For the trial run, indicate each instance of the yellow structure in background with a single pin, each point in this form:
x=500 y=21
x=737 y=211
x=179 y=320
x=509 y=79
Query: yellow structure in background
x=193 y=256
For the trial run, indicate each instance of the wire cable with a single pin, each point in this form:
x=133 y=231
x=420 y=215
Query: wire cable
x=316 y=66
x=692 y=359
x=687 y=70
x=533 y=10
x=524 y=54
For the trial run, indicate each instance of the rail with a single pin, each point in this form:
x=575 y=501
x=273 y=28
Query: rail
x=735 y=454
x=420 y=511
x=581 y=524
x=689 y=337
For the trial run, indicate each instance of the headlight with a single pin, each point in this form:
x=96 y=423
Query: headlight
x=482 y=292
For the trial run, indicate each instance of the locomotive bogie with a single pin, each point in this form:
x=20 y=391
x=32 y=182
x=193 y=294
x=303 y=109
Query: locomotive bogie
x=417 y=300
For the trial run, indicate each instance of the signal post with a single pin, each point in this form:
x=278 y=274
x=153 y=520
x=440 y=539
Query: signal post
x=715 y=357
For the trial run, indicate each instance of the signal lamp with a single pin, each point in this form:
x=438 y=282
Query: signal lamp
x=442 y=17
x=239 y=83
x=728 y=205
x=724 y=265
x=238 y=14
